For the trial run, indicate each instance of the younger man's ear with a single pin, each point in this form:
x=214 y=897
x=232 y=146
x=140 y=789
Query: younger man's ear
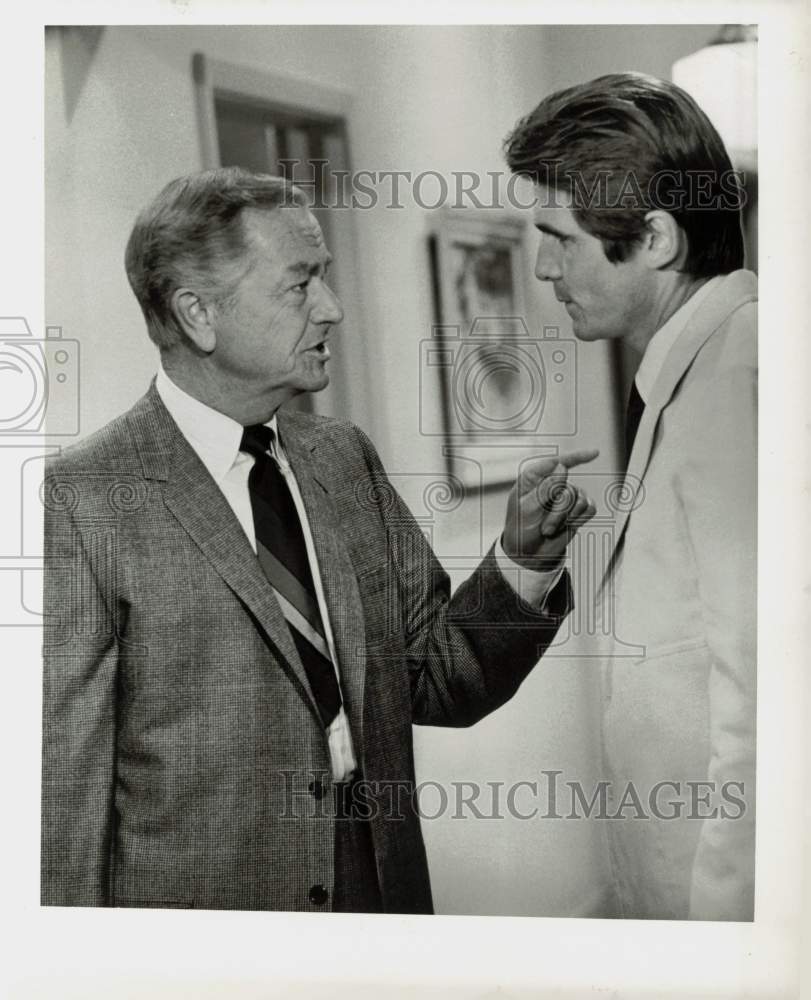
x=665 y=242
x=194 y=318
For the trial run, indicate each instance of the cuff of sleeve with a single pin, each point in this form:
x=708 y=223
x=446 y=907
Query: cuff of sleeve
x=532 y=586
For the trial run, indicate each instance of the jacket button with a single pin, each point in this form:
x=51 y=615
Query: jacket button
x=318 y=895
x=316 y=789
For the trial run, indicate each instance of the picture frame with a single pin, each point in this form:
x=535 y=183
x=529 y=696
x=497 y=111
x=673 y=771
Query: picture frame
x=506 y=382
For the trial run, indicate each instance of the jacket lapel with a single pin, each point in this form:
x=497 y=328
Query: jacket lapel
x=201 y=508
x=314 y=475
x=734 y=290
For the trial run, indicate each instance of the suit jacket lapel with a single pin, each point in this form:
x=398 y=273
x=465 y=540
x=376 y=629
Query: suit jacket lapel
x=201 y=508
x=314 y=476
x=734 y=290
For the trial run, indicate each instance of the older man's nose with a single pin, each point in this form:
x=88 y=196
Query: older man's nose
x=328 y=308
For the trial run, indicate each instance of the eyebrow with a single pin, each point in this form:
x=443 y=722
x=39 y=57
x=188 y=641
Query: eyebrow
x=544 y=227
x=304 y=268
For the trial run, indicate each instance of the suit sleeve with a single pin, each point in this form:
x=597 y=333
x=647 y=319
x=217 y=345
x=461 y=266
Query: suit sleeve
x=79 y=701
x=719 y=493
x=467 y=654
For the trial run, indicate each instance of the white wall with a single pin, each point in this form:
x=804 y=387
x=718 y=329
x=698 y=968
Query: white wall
x=121 y=122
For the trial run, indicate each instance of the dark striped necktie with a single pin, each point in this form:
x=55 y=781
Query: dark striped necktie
x=633 y=415
x=282 y=553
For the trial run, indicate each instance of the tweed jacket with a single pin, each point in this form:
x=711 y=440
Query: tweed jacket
x=184 y=763
x=679 y=692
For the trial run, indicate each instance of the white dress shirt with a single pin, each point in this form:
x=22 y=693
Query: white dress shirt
x=216 y=438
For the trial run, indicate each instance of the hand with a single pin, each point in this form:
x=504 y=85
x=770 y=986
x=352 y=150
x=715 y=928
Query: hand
x=544 y=511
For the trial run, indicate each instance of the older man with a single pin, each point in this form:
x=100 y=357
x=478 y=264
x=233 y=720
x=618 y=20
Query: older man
x=638 y=212
x=243 y=618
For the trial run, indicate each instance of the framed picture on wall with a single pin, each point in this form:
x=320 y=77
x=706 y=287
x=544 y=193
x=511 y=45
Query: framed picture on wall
x=506 y=382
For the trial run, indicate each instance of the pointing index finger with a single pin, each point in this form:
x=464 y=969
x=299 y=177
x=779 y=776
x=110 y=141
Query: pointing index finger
x=573 y=458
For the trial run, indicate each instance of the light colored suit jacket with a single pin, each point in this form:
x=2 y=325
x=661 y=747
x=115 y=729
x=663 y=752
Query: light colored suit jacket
x=683 y=583
x=182 y=750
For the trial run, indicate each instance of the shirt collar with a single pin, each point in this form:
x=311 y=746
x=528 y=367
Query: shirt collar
x=665 y=337
x=214 y=436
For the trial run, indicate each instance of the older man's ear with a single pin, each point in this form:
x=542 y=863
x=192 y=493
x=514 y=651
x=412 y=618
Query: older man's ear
x=195 y=318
